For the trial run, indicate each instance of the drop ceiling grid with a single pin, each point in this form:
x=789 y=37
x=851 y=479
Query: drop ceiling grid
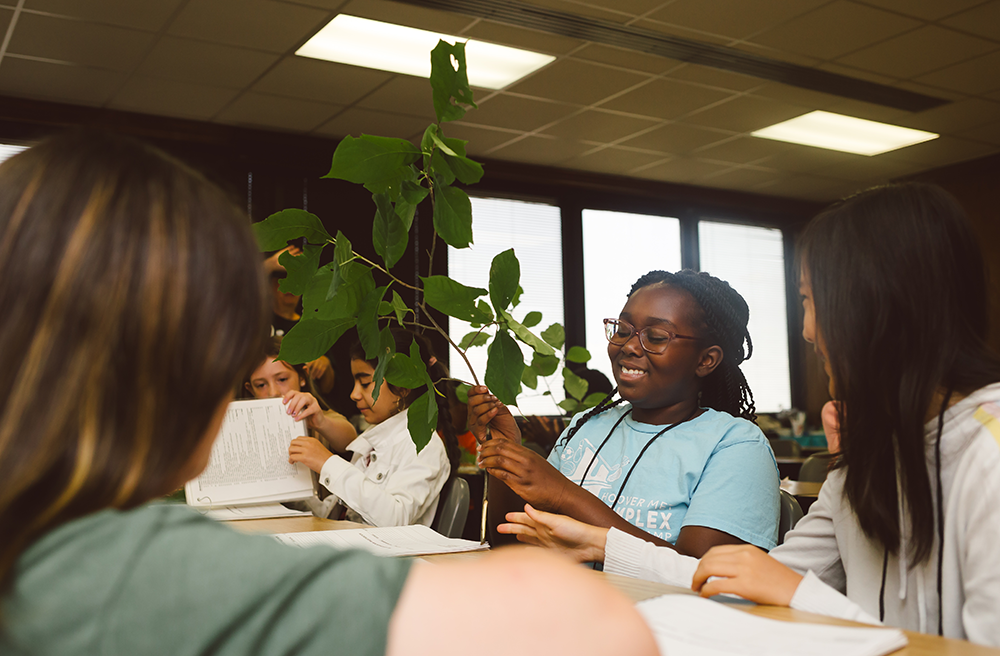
x=258 y=81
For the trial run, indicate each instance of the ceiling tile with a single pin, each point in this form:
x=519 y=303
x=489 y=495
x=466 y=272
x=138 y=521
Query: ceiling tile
x=480 y=139
x=985 y=133
x=77 y=42
x=5 y=16
x=786 y=56
x=857 y=73
x=680 y=31
x=403 y=94
x=974 y=76
x=676 y=139
x=745 y=114
x=323 y=81
x=732 y=18
x=197 y=62
x=630 y=59
x=665 y=99
x=260 y=110
x=740 y=150
x=983 y=20
x=806 y=98
x=150 y=16
x=356 y=121
x=516 y=113
x=933 y=91
x=632 y=7
x=400 y=13
x=714 y=77
x=869 y=111
x=578 y=82
x=920 y=51
x=321 y=4
x=795 y=158
x=811 y=187
x=58 y=82
x=835 y=29
x=540 y=150
x=616 y=161
x=925 y=9
x=955 y=116
x=681 y=169
x=941 y=151
x=590 y=10
x=519 y=37
x=742 y=179
x=602 y=127
x=258 y=24
x=171 y=98
x=870 y=171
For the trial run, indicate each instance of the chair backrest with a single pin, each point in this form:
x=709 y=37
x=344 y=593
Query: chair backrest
x=785 y=448
x=815 y=468
x=454 y=509
x=791 y=513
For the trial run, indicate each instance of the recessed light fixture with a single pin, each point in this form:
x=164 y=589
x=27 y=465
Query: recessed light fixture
x=387 y=47
x=844 y=133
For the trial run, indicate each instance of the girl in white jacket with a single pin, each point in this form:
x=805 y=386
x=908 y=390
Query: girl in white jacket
x=894 y=295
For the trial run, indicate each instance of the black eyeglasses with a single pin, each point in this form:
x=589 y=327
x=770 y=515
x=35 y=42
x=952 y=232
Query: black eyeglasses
x=652 y=339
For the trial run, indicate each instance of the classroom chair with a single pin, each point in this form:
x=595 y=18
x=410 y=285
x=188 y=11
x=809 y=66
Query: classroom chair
x=791 y=513
x=815 y=468
x=454 y=509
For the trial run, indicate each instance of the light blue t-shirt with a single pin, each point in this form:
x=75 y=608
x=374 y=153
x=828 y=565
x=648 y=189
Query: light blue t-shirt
x=714 y=471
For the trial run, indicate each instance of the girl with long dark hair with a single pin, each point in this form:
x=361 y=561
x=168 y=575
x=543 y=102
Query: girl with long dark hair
x=677 y=458
x=905 y=530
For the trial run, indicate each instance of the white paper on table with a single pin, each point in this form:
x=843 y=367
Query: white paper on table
x=415 y=540
x=249 y=461
x=263 y=511
x=685 y=625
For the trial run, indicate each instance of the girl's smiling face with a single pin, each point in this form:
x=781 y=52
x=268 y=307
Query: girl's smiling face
x=663 y=387
x=374 y=412
x=273 y=379
x=810 y=333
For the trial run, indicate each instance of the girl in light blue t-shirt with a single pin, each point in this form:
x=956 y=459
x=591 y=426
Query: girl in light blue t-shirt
x=677 y=459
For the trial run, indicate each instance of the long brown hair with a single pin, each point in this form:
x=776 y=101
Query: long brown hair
x=900 y=293
x=133 y=304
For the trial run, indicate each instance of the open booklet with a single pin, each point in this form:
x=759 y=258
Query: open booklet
x=249 y=462
x=687 y=625
x=416 y=540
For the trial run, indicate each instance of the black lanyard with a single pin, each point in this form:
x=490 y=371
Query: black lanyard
x=636 y=461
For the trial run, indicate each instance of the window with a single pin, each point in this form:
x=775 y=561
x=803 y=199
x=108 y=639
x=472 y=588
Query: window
x=534 y=230
x=618 y=248
x=752 y=260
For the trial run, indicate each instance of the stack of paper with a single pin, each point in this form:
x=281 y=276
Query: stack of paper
x=685 y=625
x=263 y=511
x=385 y=541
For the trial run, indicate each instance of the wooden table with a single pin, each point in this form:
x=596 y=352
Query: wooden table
x=801 y=488
x=921 y=644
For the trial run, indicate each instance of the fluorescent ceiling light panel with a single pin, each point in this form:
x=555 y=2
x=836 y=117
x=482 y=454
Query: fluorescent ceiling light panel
x=387 y=47
x=844 y=133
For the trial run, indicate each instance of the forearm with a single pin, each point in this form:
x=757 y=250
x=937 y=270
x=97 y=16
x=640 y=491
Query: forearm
x=583 y=506
x=336 y=430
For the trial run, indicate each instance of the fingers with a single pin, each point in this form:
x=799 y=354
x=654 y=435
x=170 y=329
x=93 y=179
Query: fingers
x=300 y=405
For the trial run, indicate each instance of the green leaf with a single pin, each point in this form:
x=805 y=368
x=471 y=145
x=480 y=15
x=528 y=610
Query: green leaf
x=554 y=335
x=516 y=299
x=342 y=251
x=592 y=400
x=441 y=170
x=475 y=338
x=577 y=354
x=505 y=273
x=406 y=372
x=452 y=162
x=389 y=234
x=350 y=284
x=453 y=216
x=575 y=386
x=300 y=269
x=530 y=377
x=527 y=336
x=450 y=83
x=571 y=406
x=274 y=232
x=311 y=338
x=411 y=195
x=462 y=392
x=421 y=419
x=384 y=308
x=545 y=364
x=457 y=146
x=466 y=170
x=376 y=162
x=368 y=332
x=399 y=307
x=385 y=356
x=427 y=140
x=484 y=312
x=532 y=319
x=451 y=297
x=503 y=368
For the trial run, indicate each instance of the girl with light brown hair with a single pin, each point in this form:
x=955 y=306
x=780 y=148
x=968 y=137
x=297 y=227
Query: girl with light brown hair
x=134 y=305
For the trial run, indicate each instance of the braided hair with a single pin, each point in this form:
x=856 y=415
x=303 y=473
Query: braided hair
x=725 y=315
x=438 y=372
